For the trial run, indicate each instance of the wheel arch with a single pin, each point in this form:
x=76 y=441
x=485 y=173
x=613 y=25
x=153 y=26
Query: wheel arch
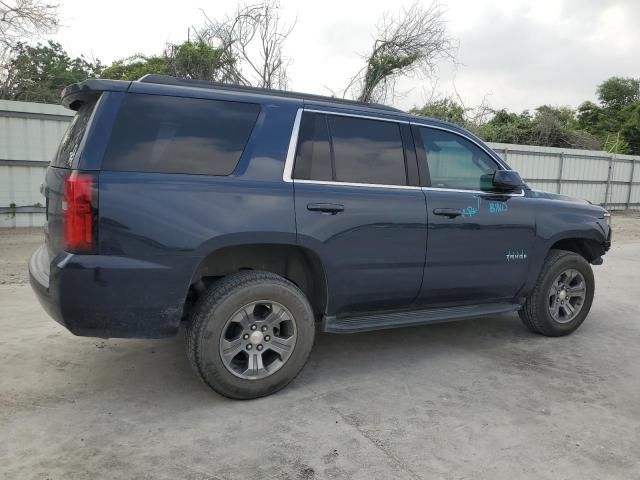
x=297 y=264
x=587 y=248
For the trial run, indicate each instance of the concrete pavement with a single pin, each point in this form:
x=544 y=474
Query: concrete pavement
x=481 y=399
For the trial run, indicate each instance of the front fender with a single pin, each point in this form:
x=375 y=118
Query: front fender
x=561 y=221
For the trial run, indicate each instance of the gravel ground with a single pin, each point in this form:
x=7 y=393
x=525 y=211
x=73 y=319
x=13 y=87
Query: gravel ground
x=16 y=245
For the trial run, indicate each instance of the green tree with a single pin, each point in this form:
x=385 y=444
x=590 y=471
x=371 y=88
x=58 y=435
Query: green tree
x=506 y=127
x=136 y=66
x=614 y=120
x=443 y=109
x=39 y=73
x=195 y=60
x=617 y=92
x=630 y=130
x=198 y=60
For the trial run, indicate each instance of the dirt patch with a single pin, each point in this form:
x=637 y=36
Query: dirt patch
x=16 y=245
x=626 y=227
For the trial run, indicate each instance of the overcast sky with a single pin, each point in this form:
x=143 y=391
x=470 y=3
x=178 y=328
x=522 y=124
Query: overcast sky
x=519 y=54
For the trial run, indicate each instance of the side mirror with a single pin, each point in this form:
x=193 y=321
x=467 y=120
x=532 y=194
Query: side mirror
x=507 y=180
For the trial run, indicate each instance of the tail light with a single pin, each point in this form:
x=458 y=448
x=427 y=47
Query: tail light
x=79 y=213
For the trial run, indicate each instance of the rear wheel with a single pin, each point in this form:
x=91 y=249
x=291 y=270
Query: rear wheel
x=562 y=297
x=250 y=334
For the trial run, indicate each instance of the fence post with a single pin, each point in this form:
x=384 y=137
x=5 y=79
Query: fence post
x=560 y=170
x=606 y=191
x=633 y=167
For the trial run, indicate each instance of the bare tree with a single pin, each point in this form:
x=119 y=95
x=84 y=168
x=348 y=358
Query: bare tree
x=253 y=38
x=21 y=20
x=410 y=43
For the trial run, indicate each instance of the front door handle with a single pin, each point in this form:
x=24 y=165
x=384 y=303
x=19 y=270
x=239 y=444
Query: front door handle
x=331 y=208
x=448 y=212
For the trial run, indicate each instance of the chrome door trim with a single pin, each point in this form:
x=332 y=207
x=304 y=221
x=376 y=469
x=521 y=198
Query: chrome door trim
x=287 y=175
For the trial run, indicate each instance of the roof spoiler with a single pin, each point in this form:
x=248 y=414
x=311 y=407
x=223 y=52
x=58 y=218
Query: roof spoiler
x=73 y=95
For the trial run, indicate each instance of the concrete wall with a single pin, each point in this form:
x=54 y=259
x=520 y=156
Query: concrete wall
x=30 y=133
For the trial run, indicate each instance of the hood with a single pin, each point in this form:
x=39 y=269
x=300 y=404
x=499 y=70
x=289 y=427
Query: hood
x=557 y=196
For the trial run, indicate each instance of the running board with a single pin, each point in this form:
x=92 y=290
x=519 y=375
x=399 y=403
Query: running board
x=381 y=321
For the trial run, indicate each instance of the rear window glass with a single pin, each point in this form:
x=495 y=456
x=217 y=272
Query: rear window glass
x=68 y=149
x=155 y=133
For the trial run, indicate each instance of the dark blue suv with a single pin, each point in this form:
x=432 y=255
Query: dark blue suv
x=258 y=216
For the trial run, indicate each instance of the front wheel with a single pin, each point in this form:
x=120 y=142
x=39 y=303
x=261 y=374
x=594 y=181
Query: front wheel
x=562 y=297
x=250 y=334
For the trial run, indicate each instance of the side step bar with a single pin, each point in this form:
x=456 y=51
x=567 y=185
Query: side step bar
x=381 y=321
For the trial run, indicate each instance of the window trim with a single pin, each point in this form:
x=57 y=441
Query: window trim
x=287 y=174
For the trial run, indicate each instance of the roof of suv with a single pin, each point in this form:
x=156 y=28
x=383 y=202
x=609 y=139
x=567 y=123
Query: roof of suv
x=121 y=85
x=168 y=80
x=71 y=94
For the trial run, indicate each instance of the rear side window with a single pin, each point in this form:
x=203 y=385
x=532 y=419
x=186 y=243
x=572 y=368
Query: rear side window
x=351 y=150
x=70 y=143
x=163 y=134
x=367 y=151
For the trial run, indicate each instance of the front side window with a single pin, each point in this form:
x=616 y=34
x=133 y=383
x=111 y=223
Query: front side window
x=156 y=133
x=455 y=162
x=349 y=149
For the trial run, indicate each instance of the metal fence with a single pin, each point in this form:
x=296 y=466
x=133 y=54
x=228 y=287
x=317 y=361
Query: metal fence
x=29 y=136
x=610 y=180
x=30 y=133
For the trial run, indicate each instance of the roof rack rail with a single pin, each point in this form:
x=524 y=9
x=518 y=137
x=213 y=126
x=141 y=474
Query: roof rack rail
x=169 y=80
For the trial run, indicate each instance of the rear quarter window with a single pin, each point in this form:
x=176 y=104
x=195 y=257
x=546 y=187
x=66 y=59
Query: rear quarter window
x=155 y=133
x=68 y=148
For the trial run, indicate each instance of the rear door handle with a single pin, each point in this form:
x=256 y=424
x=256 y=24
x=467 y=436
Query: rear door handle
x=448 y=212
x=331 y=208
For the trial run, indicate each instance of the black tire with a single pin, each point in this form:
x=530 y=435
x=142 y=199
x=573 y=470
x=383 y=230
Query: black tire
x=216 y=306
x=535 y=312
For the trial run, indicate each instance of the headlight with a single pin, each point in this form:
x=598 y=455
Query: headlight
x=607 y=217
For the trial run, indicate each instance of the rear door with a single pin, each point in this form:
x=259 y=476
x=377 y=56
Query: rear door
x=479 y=239
x=359 y=206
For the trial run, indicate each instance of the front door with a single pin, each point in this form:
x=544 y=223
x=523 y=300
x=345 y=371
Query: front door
x=356 y=209
x=479 y=240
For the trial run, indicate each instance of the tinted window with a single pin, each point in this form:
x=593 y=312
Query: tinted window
x=313 y=158
x=156 y=133
x=367 y=151
x=68 y=148
x=455 y=162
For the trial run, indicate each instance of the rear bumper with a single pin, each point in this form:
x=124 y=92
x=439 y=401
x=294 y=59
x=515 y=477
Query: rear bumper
x=107 y=296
